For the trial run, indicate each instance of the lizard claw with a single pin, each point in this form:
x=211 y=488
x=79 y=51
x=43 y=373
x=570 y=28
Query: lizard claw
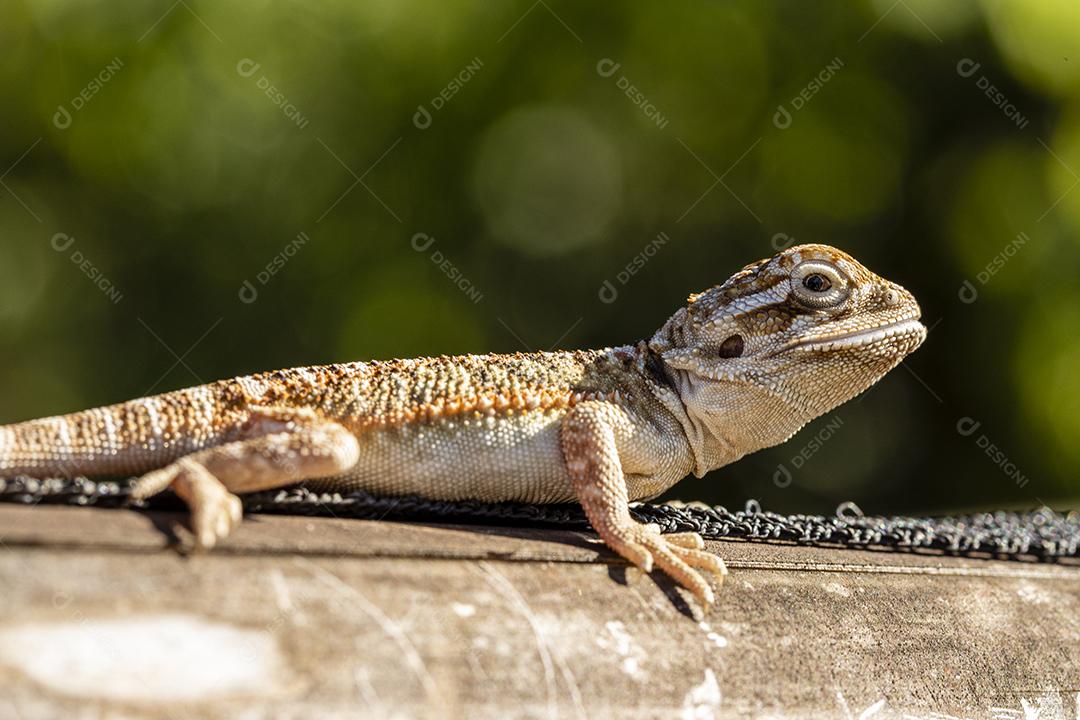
x=680 y=555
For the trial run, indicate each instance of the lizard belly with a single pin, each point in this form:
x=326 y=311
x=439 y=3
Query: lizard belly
x=492 y=459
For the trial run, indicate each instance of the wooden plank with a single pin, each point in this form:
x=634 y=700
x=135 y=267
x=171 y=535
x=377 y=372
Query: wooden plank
x=340 y=618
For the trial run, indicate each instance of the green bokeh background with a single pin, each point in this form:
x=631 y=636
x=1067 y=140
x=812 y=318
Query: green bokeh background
x=181 y=170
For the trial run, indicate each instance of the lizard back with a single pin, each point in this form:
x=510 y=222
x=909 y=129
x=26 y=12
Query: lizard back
x=438 y=425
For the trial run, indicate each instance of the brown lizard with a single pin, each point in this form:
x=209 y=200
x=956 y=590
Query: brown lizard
x=741 y=367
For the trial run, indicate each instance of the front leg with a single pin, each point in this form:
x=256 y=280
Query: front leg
x=592 y=460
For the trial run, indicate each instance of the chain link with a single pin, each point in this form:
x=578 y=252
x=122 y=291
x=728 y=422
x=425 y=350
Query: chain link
x=1039 y=534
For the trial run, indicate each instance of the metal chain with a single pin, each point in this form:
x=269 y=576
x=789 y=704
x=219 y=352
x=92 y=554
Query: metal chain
x=1039 y=534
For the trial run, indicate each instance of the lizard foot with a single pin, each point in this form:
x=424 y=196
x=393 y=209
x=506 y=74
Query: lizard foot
x=214 y=510
x=680 y=555
x=592 y=460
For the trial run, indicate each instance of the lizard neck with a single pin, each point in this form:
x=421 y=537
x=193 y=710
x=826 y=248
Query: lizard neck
x=723 y=421
x=666 y=384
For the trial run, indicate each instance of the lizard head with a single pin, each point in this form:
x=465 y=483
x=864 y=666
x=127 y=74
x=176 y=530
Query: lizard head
x=784 y=340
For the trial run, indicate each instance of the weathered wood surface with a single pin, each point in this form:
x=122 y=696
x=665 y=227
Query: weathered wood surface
x=300 y=617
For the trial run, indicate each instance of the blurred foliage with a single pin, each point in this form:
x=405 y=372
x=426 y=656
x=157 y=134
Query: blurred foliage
x=467 y=177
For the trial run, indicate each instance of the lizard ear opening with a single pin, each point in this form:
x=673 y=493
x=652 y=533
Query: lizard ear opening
x=732 y=347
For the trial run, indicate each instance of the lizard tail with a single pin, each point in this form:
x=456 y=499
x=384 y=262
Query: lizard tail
x=127 y=438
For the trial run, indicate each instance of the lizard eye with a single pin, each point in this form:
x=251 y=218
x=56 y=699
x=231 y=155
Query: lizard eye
x=818 y=284
x=732 y=347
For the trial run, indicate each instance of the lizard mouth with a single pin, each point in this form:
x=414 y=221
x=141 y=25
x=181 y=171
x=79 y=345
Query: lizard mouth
x=909 y=327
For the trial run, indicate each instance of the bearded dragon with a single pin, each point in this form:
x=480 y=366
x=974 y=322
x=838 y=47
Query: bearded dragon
x=741 y=367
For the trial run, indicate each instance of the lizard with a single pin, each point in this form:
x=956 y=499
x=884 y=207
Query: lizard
x=740 y=367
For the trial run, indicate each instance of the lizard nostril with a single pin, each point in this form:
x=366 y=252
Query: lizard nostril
x=892 y=297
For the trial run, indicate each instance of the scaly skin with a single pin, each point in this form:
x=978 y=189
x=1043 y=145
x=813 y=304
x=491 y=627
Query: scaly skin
x=741 y=367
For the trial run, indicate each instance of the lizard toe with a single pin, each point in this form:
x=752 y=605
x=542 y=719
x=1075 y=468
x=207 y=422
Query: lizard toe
x=635 y=552
x=222 y=523
x=214 y=518
x=678 y=562
x=235 y=510
x=205 y=527
x=679 y=555
x=702 y=560
x=685 y=575
x=685 y=539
